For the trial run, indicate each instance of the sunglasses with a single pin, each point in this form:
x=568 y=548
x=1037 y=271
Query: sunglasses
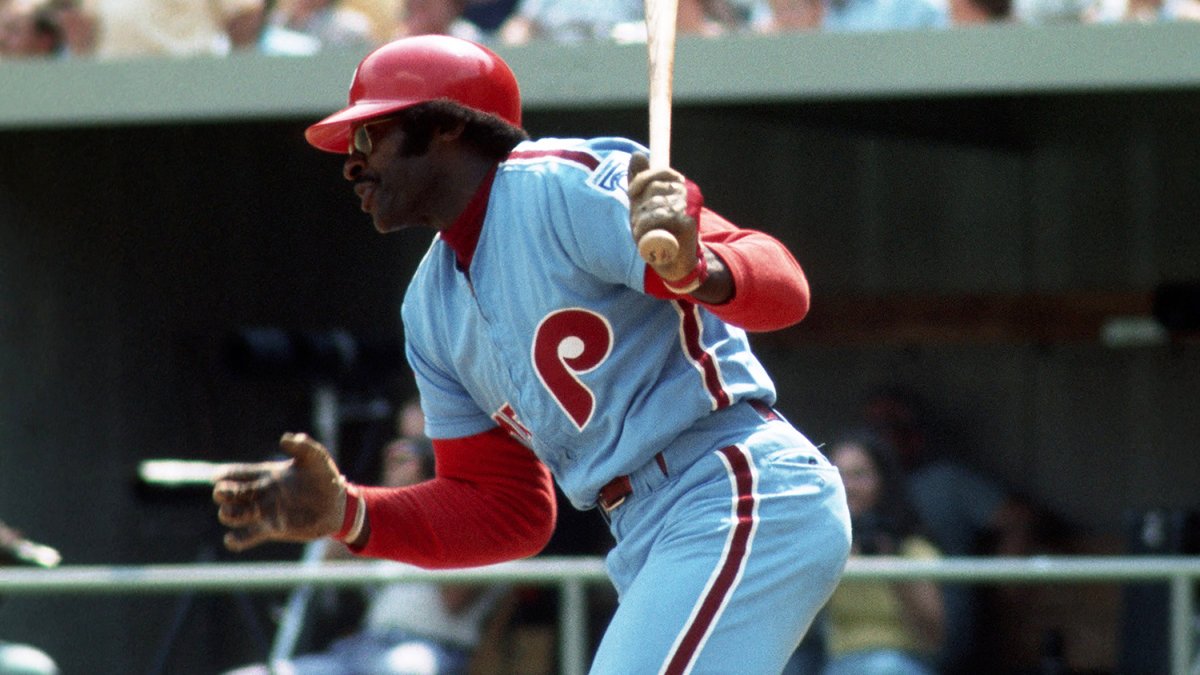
x=360 y=140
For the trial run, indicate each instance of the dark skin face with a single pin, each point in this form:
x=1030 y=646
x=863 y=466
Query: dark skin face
x=433 y=188
x=427 y=190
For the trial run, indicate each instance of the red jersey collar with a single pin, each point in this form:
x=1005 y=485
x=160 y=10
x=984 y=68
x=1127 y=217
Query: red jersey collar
x=463 y=234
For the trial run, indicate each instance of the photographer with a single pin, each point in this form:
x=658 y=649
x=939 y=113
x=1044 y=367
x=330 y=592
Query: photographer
x=879 y=626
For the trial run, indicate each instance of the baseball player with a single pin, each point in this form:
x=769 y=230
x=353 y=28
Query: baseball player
x=544 y=348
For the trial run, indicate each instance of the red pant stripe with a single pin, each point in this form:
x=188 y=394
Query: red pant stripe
x=729 y=569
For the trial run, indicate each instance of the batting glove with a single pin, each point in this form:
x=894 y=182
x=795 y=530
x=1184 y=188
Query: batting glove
x=658 y=201
x=292 y=500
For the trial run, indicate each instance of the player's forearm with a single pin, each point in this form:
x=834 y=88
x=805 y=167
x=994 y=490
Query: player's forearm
x=492 y=501
x=767 y=287
x=441 y=524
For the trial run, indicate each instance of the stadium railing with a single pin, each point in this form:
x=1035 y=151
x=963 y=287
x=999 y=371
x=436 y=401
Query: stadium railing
x=572 y=575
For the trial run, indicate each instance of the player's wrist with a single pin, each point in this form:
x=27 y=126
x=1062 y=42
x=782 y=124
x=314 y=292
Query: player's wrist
x=692 y=280
x=354 y=514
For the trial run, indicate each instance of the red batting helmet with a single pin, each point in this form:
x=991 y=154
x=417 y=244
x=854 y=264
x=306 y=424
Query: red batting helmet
x=413 y=70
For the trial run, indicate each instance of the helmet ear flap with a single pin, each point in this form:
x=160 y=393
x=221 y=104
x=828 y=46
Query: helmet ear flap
x=417 y=69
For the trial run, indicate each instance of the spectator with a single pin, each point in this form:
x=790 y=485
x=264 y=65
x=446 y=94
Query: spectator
x=877 y=627
x=279 y=40
x=436 y=17
x=1141 y=11
x=858 y=15
x=976 y=12
x=796 y=15
x=572 y=20
x=135 y=28
x=624 y=20
x=77 y=21
x=1049 y=11
x=28 y=29
x=408 y=627
x=1184 y=10
x=489 y=14
x=711 y=18
x=963 y=511
x=381 y=14
x=329 y=22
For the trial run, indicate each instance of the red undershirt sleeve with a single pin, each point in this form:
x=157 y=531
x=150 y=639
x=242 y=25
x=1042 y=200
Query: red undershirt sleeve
x=770 y=290
x=491 y=501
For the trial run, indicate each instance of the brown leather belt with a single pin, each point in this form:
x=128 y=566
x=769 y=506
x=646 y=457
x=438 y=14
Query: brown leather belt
x=767 y=412
x=615 y=491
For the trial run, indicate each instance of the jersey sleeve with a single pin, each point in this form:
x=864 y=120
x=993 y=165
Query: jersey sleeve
x=596 y=234
x=491 y=501
x=450 y=412
x=770 y=289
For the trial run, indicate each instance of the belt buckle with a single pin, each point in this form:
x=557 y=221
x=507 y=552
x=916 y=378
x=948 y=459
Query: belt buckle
x=614 y=493
x=610 y=506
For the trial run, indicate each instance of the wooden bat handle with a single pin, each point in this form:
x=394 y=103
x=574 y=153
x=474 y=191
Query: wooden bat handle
x=659 y=246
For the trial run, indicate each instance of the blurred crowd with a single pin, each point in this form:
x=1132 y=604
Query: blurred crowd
x=115 y=29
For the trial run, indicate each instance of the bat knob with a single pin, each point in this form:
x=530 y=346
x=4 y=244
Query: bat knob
x=658 y=247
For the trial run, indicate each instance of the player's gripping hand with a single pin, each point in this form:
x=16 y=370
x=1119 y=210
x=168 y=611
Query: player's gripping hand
x=297 y=499
x=658 y=200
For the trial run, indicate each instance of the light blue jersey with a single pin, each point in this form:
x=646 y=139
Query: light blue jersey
x=732 y=529
x=551 y=335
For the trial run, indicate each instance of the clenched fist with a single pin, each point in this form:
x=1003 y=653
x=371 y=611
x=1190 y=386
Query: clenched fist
x=297 y=499
x=658 y=201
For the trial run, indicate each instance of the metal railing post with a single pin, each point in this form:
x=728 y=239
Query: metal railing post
x=326 y=423
x=573 y=627
x=1182 y=618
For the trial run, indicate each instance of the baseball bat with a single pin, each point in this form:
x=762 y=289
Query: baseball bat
x=658 y=246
